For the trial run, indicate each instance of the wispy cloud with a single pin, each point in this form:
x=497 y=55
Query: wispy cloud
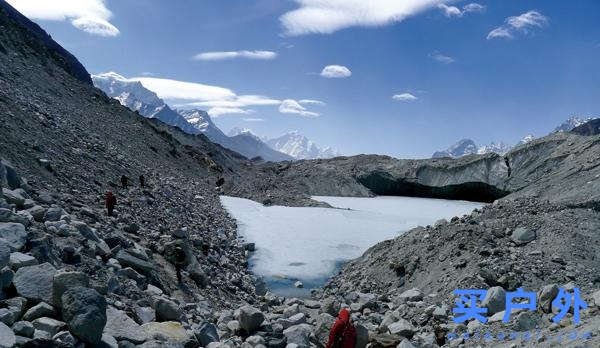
x=311 y=102
x=524 y=23
x=180 y=90
x=441 y=58
x=336 y=72
x=210 y=56
x=453 y=11
x=253 y=119
x=404 y=97
x=88 y=15
x=325 y=17
x=290 y=106
x=216 y=112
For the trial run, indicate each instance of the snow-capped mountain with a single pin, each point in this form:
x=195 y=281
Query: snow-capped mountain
x=572 y=122
x=300 y=147
x=500 y=148
x=136 y=97
x=462 y=148
x=235 y=131
x=526 y=139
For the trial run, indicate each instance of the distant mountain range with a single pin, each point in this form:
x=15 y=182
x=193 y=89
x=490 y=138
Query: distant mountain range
x=136 y=97
x=293 y=144
x=466 y=147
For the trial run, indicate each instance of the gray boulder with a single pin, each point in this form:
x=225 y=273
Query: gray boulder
x=250 y=318
x=37 y=212
x=206 y=333
x=49 y=325
x=14 y=234
x=9 y=176
x=4 y=253
x=122 y=327
x=167 y=310
x=7 y=337
x=18 y=260
x=495 y=300
x=299 y=335
x=323 y=326
x=144 y=315
x=23 y=328
x=546 y=296
x=40 y=310
x=84 y=311
x=411 y=295
x=35 y=282
x=522 y=235
x=128 y=260
x=13 y=197
x=64 y=280
x=54 y=214
x=403 y=328
x=362 y=336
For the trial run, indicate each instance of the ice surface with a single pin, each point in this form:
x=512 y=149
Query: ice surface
x=309 y=243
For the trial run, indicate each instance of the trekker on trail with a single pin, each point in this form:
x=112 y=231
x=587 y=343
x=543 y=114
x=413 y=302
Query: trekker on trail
x=343 y=332
x=142 y=180
x=124 y=181
x=110 y=201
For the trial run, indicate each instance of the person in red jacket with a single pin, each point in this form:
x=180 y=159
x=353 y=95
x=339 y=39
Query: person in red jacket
x=343 y=332
x=110 y=201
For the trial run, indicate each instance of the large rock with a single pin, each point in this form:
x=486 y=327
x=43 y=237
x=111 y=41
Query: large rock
x=18 y=260
x=122 y=327
x=9 y=176
x=49 y=325
x=167 y=310
x=84 y=311
x=4 y=253
x=546 y=296
x=173 y=331
x=144 y=315
x=54 y=214
x=495 y=300
x=13 y=197
x=522 y=235
x=323 y=326
x=411 y=295
x=250 y=318
x=128 y=260
x=35 y=282
x=362 y=336
x=37 y=212
x=403 y=328
x=14 y=234
x=298 y=335
x=206 y=333
x=64 y=280
x=23 y=328
x=7 y=337
x=40 y=310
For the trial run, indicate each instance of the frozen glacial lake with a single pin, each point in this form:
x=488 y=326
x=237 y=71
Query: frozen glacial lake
x=309 y=244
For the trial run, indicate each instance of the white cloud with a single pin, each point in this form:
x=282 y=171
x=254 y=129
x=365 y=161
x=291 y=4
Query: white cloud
x=336 y=71
x=473 y=7
x=253 y=119
x=437 y=56
x=180 y=90
x=328 y=16
x=453 y=11
x=311 y=102
x=524 y=23
x=88 y=15
x=450 y=11
x=216 y=112
x=210 y=56
x=405 y=97
x=290 y=106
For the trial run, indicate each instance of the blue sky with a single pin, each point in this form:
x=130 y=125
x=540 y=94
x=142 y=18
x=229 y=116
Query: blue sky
x=486 y=70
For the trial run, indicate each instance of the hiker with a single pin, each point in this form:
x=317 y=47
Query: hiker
x=179 y=261
x=142 y=180
x=343 y=332
x=124 y=181
x=110 y=201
